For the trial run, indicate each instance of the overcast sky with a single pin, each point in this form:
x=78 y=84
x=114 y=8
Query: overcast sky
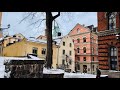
x=66 y=22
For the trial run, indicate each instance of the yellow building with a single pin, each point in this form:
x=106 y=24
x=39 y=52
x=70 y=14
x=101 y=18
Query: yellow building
x=30 y=46
x=8 y=40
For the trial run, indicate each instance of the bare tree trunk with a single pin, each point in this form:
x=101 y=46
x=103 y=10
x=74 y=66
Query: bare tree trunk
x=49 y=39
x=49 y=19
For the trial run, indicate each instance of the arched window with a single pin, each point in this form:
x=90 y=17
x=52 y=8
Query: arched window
x=111 y=18
x=113 y=58
x=84 y=49
x=78 y=40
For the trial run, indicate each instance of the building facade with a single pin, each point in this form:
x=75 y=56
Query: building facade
x=66 y=54
x=8 y=40
x=85 y=46
x=30 y=46
x=109 y=41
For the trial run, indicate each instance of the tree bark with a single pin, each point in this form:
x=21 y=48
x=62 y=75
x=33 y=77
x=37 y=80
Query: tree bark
x=49 y=19
x=49 y=39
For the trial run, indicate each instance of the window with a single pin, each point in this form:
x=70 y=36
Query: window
x=113 y=58
x=84 y=58
x=84 y=39
x=92 y=50
x=84 y=50
x=78 y=40
x=70 y=53
x=35 y=50
x=63 y=43
x=63 y=52
x=78 y=66
x=70 y=61
x=111 y=16
x=43 y=51
x=78 y=31
x=92 y=40
x=93 y=67
x=63 y=62
x=93 y=58
x=78 y=58
x=78 y=50
x=70 y=45
x=73 y=40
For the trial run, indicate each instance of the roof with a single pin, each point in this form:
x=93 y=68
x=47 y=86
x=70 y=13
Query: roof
x=36 y=40
x=31 y=57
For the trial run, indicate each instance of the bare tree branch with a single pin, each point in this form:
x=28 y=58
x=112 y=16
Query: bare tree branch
x=25 y=17
x=40 y=23
x=36 y=21
x=54 y=17
x=33 y=15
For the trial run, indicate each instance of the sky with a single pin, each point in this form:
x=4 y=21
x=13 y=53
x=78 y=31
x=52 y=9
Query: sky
x=66 y=22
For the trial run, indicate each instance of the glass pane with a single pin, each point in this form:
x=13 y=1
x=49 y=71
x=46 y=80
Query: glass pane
x=111 y=51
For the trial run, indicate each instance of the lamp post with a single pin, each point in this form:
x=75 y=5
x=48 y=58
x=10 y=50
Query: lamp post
x=8 y=26
x=1 y=30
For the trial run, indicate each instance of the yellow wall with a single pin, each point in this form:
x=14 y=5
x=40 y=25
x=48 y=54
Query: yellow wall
x=25 y=47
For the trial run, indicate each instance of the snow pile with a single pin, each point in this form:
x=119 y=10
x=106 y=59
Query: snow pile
x=78 y=75
x=2 y=67
x=52 y=71
x=33 y=57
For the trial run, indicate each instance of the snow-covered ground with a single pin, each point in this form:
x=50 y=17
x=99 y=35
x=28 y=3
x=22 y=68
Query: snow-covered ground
x=78 y=75
x=52 y=71
x=2 y=67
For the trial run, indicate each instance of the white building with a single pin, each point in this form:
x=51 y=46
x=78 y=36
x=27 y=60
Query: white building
x=66 y=54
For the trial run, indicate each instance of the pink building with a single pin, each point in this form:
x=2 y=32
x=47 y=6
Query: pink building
x=86 y=48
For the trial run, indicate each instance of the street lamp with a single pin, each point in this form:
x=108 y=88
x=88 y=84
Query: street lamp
x=117 y=37
x=8 y=26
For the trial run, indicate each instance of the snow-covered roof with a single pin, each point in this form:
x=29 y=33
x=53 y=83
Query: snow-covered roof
x=57 y=39
x=78 y=75
x=36 y=40
x=1 y=39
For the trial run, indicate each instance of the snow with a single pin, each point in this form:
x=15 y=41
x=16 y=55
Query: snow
x=113 y=71
x=78 y=75
x=25 y=58
x=35 y=58
x=1 y=39
x=36 y=40
x=2 y=67
x=52 y=71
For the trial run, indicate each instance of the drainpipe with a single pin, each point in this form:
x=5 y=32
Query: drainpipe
x=91 y=50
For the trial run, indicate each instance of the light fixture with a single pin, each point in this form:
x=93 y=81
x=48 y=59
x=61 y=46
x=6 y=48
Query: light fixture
x=117 y=37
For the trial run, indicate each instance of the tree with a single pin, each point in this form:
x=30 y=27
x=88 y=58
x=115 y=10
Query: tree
x=49 y=19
